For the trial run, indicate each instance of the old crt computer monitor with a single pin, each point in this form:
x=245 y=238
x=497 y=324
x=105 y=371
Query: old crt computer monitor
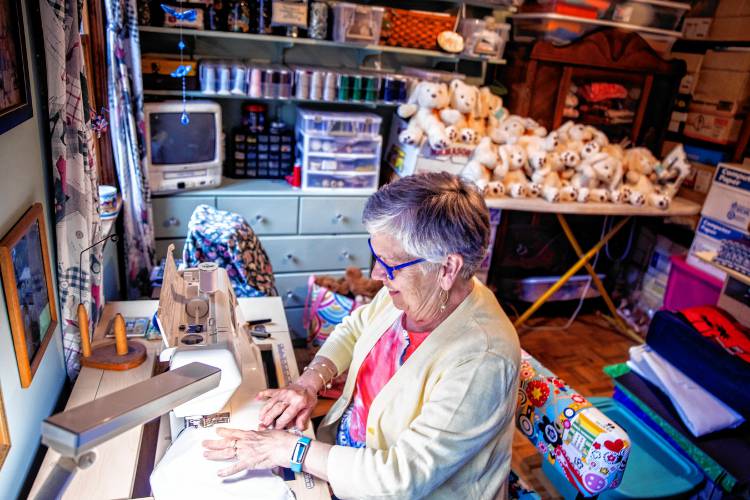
x=181 y=156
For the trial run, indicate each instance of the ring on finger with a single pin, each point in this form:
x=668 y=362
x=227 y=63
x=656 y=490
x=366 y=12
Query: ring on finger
x=234 y=447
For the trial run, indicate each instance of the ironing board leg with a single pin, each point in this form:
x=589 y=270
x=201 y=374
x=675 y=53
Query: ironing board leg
x=615 y=319
x=582 y=261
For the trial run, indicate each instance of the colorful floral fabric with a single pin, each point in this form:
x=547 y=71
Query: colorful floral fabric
x=588 y=448
x=324 y=310
x=228 y=240
x=126 y=130
x=77 y=221
x=391 y=351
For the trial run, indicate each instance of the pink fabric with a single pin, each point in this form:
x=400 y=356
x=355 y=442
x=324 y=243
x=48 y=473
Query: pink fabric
x=388 y=354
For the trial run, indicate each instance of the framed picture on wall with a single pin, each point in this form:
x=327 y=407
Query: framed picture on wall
x=27 y=282
x=15 y=96
x=4 y=433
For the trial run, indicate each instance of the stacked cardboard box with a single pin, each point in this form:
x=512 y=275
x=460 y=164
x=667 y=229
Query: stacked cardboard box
x=731 y=21
x=725 y=214
x=721 y=97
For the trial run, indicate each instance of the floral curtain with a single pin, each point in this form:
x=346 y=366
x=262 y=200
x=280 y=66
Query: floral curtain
x=126 y=130
x=77 y=220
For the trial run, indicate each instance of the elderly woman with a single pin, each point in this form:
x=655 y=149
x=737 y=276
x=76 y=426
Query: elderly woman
x=428 y=405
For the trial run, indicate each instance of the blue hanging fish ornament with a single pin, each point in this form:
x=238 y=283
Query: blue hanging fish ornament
x=181 y=71
x=184 y=15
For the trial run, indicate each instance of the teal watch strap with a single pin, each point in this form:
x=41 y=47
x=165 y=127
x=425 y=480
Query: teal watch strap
x=299 y=453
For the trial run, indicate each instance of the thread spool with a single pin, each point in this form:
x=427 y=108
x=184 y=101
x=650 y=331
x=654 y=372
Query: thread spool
x=208 y=277
x=255 y=83
x=304 y=79
x=356 y=87
x=208 y=78
x=390 y=92
x=285 y=84
x=224 y=79
x=121 y=337
x=238 y=79
x=83 y=327
x=318 y=80
x=329 y=92
x=268 y=84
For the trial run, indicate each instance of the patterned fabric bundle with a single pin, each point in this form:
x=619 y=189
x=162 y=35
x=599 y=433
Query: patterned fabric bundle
x=588 y=448
x=228 y=240
x=324 y=310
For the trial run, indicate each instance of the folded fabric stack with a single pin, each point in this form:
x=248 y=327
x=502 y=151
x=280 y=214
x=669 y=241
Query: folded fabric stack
x=698 y=359
x=735 y=254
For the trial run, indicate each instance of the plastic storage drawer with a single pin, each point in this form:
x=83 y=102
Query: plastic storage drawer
x=338 y=145
x=327 y=123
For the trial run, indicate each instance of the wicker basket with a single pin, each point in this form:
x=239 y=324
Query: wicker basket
x=414 y=29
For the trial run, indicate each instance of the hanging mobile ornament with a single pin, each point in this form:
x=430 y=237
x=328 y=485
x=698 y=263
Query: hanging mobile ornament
x=182 y=70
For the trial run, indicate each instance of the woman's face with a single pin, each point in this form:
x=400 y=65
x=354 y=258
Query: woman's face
x=412 y=290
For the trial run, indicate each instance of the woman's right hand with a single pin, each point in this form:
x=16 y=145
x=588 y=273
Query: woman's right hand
x=291 y=404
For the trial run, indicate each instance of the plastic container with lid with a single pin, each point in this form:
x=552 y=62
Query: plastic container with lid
x=356 y=23
x=329 y=123
x=484 y=37
x=650 y=13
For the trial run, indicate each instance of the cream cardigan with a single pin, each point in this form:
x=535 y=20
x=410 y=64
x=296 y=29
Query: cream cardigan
x=442 y=427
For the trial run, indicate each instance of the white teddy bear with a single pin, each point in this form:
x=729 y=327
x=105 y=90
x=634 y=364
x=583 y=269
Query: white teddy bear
x=509 y=130
x=597 y=177
x=424 y=101
x=464 y=100
x=510 y=170
x=547 y=167
x=496 y=113
x=481 y=165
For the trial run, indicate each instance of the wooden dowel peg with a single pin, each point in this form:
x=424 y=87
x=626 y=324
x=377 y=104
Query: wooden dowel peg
x=83 y=327
x=121 y=338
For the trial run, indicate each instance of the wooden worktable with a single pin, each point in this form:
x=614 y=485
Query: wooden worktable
x=113 y=474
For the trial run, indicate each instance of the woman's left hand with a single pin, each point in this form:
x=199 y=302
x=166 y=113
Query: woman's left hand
x=251 y=449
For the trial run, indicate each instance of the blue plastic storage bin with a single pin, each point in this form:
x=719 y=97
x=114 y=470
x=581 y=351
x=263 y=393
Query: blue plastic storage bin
x=654 y=469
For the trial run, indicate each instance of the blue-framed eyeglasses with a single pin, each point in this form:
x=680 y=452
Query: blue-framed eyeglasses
x=389 y=270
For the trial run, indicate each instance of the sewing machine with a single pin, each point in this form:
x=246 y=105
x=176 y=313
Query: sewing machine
x=201 y=320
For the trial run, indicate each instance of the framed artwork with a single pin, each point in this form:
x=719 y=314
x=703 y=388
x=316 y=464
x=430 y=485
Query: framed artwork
x=4 y=433
x=15 y=96
x=27 y=281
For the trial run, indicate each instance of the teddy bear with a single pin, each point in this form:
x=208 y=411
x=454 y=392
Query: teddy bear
x=510 y=170
x=422 y=110
x=640 y=172
x=509 y=130
x=363 y=288
x=458 y=116
x=496 y=113
x=674 y=169
x=546 y=168
x=597 y=177
x=481 y=164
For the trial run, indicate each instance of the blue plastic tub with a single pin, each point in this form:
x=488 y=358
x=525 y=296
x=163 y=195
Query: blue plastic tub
x=654 y=468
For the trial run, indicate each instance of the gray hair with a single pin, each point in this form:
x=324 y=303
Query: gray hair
x=432 y=215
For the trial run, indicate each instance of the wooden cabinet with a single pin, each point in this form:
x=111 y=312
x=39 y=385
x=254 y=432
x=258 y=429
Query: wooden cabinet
x=302 y=233
x=623 y=87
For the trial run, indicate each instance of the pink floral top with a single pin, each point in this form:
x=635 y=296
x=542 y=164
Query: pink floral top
x=391 y=351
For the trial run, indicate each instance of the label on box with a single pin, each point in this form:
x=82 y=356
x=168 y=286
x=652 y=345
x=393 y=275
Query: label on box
x=733 y=178
x=696 y=27
x=718 y=231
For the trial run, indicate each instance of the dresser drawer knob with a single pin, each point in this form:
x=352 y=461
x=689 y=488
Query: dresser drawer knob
x=345 y=255
x=289 y=295
x=171 y=222
x=260 y=219
x=339 y=218
x=289 y=256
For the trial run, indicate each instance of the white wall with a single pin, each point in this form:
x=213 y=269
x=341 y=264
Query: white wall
x=23 y=181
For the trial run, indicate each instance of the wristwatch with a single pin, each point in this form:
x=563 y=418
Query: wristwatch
x=299 y=453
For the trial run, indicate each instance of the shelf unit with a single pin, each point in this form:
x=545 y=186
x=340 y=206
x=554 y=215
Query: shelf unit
x=604 y=23
x=710 y=256
x=283 y=42
x=243 y=97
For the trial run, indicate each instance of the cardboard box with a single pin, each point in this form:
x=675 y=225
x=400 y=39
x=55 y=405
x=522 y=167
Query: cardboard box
x=697 y=154
x=697 y=28
x=730 y=29
x=718 y=128
x=720 y=85
x=732 y=8
x=708 y=237
x=729 y=60
x=728 y=200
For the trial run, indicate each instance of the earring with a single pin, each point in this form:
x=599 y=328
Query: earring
x=444 y=301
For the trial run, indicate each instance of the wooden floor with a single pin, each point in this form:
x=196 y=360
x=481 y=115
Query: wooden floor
x=577 y=355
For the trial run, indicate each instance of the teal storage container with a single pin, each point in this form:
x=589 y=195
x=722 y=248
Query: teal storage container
x=654 y=468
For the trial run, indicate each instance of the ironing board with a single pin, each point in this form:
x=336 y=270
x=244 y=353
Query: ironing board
x=679 y=207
